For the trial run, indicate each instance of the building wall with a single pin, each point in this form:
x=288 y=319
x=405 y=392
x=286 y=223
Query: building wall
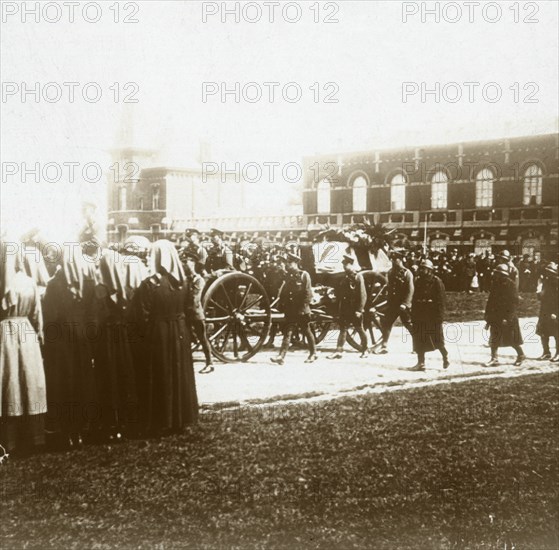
x=506 y=222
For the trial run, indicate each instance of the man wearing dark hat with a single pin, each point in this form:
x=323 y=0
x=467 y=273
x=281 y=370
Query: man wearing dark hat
x=195 y=248
x=525 y=273
x=295 y=302
x=194 y=310
x=351 y=297
x=548 y=324
x=427 y=315
x=501 y=316
x=399 y=297
x=505 y=258
x=220 y=256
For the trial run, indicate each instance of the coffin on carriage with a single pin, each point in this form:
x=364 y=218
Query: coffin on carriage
x=240 y=311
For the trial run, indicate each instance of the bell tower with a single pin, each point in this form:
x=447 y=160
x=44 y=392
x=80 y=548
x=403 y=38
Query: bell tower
x=126 y=200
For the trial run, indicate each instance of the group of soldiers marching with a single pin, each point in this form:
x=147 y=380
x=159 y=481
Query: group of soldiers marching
x=414 y=295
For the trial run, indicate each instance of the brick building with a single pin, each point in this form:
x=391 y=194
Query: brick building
x=475 y=196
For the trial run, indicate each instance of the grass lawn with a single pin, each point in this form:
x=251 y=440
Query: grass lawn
x=463 y=307
x=469 y=465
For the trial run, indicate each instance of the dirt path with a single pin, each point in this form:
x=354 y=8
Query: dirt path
x=260 y=382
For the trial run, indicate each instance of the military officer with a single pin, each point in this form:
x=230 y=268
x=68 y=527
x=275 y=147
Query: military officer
x=501 y=315
x=504 y=257
x=194 y=310
x=427 y=314
x=195 y=248
x=294 y=300
x=399 y=298
x=351 y=297
x=220 y=256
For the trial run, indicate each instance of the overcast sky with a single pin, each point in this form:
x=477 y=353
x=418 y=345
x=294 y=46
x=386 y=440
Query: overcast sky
x=170 y=52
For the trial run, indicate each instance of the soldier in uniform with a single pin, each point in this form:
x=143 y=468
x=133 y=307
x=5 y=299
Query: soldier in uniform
x=399 y=298
x=294 y=300
x=548 y=323
x=195 y=248
x=351 y=297
x=453 y=265
x=220 y=256
x=194 y=311
x=501 y=315
x=504 y=257
x=525 y=267
x=484 y=268
x=427 y=315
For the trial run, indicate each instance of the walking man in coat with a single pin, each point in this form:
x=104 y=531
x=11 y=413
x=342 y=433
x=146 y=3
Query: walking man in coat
x=504 y=257
x=501 y=316
x=548 y=324
x=351 y=297
x=427 y=315
x=399 y=298
x=294 y=300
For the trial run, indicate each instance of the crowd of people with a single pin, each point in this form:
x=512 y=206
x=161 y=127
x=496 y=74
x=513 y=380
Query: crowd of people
x=472 y=272
x=96 y=345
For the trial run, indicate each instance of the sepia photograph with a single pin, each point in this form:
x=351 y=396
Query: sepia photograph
x=279 y=275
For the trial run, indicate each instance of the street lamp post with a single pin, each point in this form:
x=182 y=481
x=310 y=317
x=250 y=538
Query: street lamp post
x=427 y=217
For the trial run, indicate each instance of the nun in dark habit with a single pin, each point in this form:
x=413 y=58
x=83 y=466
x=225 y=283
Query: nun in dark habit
x=170 y=402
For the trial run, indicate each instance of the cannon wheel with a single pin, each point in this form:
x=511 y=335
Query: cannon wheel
x=376 y=299
x=321 y=325
x=238 y=316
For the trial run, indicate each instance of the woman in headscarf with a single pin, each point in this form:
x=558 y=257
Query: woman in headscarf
x=23 y=400
x=135 y=272
x=114 y=367
x=170 y=401
x=70 y=334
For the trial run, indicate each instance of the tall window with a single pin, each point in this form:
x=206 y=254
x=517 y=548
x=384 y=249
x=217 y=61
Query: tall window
x=360 y=194
x=532 y=185
x=398 y=192
x=141 y=203
x=122 y=198
x=439 y=190
x=323 y=197
x=484 y=188
x=155 y=199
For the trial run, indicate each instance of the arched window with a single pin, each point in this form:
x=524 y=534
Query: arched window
x=323 y=197
x=484 y=188
x=155 y=199
x=439 y=190
x=532 y=185
x=122 y=198
x=398 y=192
x=360 y=194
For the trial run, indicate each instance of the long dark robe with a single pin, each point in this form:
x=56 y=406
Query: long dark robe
x=70 y=334
x=501 y=313
x=114 y=367
x=427 y=314
x=168 y=400
x=549 y=308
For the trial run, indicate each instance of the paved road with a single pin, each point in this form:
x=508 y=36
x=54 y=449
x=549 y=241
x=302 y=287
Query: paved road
x=260 y=381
